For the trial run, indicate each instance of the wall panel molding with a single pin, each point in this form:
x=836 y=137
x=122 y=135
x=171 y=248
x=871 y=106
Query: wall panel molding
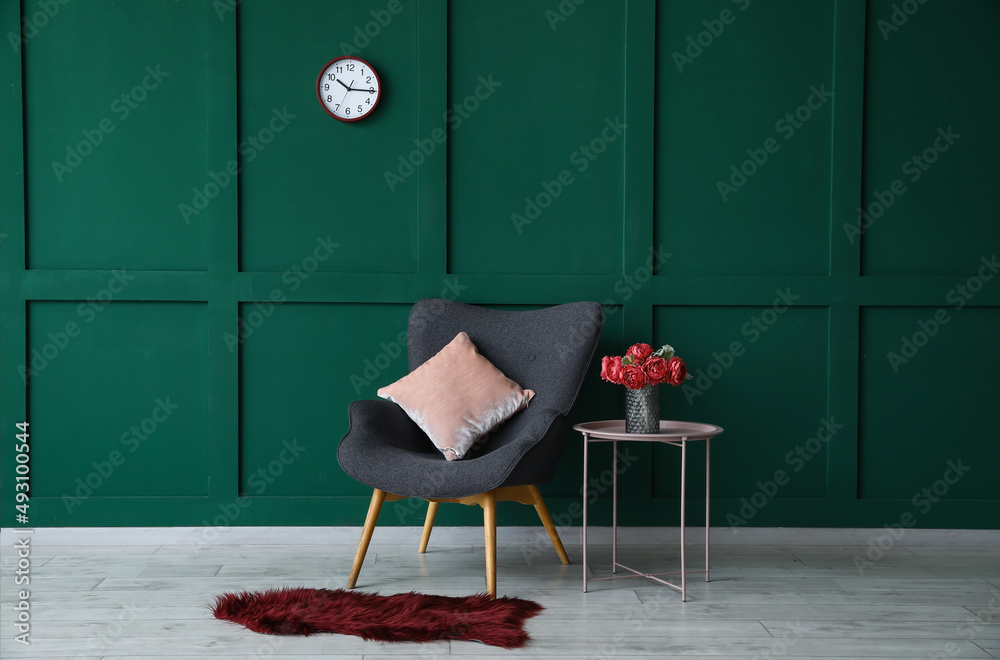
x=286 y=296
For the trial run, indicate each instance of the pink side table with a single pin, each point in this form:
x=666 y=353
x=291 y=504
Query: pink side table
x=671 y=432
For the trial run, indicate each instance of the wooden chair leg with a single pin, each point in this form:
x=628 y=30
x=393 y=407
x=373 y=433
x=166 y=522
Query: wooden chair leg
x=378 y=496
x=543 y=513
x=432 y=509
x=490 y=525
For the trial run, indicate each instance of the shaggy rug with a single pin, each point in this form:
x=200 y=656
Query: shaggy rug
x=408 y=617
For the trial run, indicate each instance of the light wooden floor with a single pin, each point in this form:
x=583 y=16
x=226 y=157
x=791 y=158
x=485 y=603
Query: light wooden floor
x=764 y=601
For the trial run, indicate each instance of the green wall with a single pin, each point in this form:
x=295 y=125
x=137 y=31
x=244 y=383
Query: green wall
x=201 y=268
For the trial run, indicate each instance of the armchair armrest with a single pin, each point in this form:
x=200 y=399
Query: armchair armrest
x=386 y=421
x=536 y=423
x=530 y=453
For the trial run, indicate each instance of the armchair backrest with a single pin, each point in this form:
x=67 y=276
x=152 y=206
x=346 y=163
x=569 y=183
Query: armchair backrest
x=547 y=350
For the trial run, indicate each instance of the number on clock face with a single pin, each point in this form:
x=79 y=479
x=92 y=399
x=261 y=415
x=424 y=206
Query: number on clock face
x=348 y=88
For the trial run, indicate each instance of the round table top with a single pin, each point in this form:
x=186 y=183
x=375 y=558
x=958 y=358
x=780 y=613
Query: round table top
x=614 y=429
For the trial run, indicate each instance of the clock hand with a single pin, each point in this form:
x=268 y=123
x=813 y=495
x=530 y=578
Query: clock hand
x=359 y=89
x=345 y=86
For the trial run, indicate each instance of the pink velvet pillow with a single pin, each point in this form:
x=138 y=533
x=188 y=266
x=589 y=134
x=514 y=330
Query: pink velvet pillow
x=457 y=396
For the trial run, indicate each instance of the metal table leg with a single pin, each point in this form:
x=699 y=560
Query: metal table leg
x=684 y=449
x=614 y=507
x=586 y=443
x=707 y=501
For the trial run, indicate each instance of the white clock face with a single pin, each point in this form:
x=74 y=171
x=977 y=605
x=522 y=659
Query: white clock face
x=348 y=88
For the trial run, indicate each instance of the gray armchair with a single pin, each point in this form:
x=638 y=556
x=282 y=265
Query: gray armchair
x=545 y=350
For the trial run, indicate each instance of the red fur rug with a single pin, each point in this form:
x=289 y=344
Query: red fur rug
x=408 y=617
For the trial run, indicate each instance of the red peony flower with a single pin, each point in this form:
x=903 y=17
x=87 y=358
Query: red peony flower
x=616 y=372
x=656 y=370
x=676 y=371
x=639 y=352
x=635 y=378
x=605 y=361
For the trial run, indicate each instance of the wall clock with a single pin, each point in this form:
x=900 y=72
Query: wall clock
x=348 y=88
